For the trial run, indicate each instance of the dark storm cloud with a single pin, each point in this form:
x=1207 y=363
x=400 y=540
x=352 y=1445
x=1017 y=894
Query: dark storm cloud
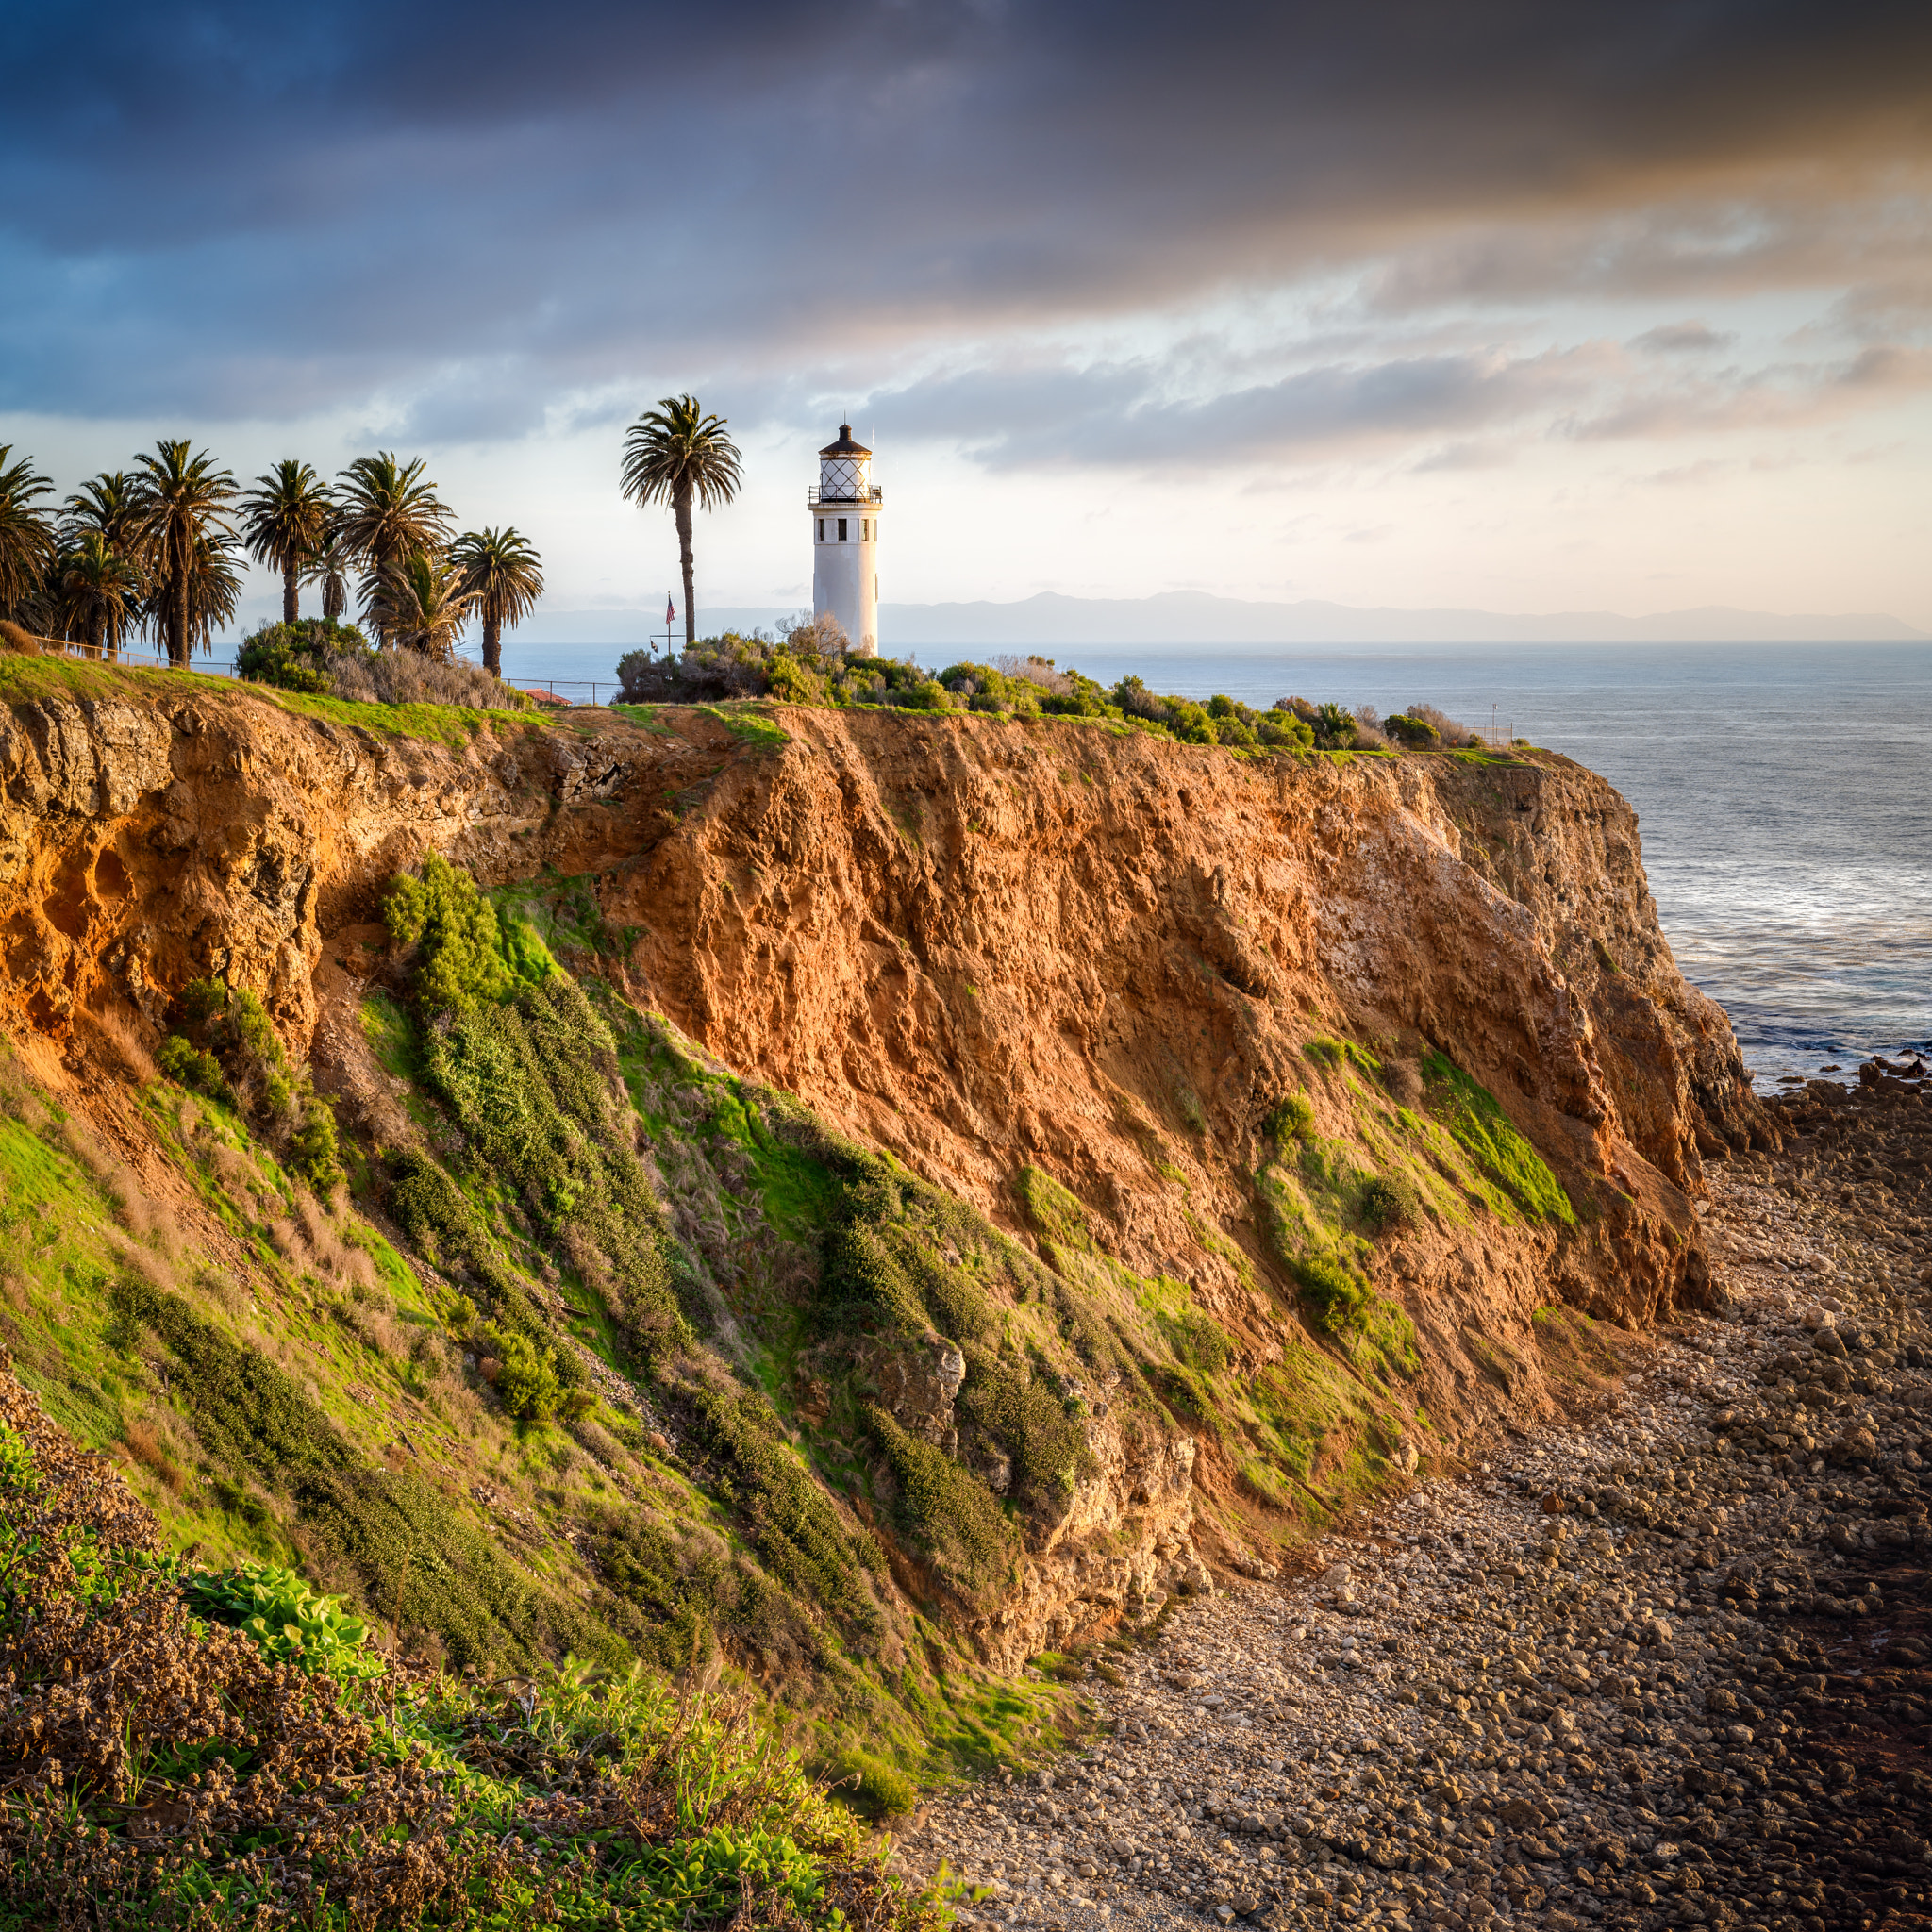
x=235 y=209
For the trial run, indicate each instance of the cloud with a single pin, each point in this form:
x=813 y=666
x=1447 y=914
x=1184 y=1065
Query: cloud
x=1777 y=397
x=239 y=210
x=1681 y=339
x=1121 y=414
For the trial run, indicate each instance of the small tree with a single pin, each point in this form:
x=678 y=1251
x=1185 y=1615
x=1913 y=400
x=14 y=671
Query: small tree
x=96 y=592
x=504 y=577
x=420 y=604
x=286 y=519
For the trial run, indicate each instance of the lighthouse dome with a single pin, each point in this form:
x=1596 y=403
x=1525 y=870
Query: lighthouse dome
x=845 y=470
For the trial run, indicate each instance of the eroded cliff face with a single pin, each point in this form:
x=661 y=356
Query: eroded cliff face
x=1024 y=957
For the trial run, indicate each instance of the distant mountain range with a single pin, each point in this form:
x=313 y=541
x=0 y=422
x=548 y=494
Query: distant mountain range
x=1194 y=617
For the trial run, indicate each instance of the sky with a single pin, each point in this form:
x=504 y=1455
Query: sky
x=1495 y=303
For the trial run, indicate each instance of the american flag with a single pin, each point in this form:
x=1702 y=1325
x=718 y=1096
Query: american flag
x=670 y=612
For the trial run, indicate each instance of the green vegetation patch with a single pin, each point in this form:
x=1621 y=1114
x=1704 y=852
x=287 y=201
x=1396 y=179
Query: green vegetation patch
x=393 y=1531
x=590 y=1798
x=1479 y=1125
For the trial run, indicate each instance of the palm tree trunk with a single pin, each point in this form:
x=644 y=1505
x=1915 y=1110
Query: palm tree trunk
x=292 y=596
x=178 y=643
x=493 y=644
x=681 y=504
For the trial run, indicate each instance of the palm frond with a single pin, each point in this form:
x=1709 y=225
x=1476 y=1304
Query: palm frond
x=390 y=510
x=419 y=604
x=676 y=450
x=503 y=573
x=26 y=532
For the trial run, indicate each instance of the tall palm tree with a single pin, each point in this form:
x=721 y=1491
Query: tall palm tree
x=504 y=576
x=419 y=604
x=674 y=454
x=184 y=519
x=214 y=588
x=285 y=519
x=26 y=536
x=96 y=590
x=330 y=566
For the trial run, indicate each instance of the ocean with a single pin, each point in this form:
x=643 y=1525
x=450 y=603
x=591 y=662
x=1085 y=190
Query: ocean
x=1784 y=793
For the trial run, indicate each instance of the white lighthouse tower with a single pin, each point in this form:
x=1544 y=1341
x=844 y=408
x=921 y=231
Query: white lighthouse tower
x=844 y=506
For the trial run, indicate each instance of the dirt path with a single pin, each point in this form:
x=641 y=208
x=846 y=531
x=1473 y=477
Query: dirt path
x=1666 y=1669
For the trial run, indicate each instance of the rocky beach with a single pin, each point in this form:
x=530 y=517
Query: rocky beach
x=1664 y=1664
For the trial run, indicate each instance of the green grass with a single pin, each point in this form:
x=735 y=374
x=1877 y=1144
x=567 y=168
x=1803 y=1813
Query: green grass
x=748 y=720
x=1470 y=1113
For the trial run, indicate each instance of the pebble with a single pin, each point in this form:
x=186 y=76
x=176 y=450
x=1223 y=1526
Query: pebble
x=1666 y=1668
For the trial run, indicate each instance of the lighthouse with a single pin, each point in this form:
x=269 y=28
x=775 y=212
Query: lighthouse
x=845 y=507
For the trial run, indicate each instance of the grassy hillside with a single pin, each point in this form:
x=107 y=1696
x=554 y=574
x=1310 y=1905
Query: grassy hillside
x=596 y=1350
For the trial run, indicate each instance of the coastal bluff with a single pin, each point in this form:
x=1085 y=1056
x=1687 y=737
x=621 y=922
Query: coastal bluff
x=1311 y=1107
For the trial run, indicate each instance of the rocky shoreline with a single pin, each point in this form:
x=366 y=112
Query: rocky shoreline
x=1664 y=1667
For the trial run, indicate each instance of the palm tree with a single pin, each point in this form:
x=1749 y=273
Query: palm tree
x=671 y=455
x=214 y=588
x=109 y=503
x=389 y=511
x=420 y=604
x=286 y=519
x=95 y=590
x=329 y=567
x=184 y=519
x=27 y=539
x=504 y=576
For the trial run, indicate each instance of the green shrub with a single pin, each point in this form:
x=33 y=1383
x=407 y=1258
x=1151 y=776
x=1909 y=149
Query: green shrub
x=986 y=688
x=232 y=1052
x=314 y=1152
x=1418 y=734
x=1285 y=731
x=393 y=1532
x=872 y=1788
x=535 y=1085
x=944 y=1511
x=442 y=911
x=1052 y=1210
x=1291 y=1118
x=193 y=1067
x=1027 y=1420
x=294 y=656
x=1389 y=1201
x=1339 y=1296
x=526 y=1383
x=791 y=683
x=1198 y=1340
x=757 y=1474
x=920 y=693
x=1335 y=728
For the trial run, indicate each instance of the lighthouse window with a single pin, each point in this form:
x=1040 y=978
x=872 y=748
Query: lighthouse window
x=822 y=529
x=842 y=529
